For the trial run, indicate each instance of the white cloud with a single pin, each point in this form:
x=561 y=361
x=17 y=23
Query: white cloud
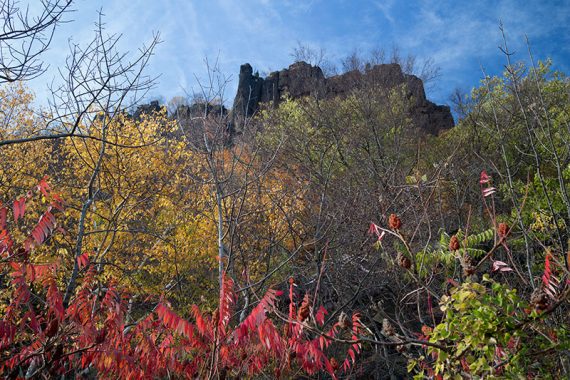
x=385 y=6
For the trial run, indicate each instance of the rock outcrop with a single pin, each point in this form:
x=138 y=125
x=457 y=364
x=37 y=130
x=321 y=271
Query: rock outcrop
x=147 y=109
x=200 y=109
x=301 y=79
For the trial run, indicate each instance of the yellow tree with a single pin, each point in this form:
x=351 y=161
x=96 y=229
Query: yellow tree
x=145 y=220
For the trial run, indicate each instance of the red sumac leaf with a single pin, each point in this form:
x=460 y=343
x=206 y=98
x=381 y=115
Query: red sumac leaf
x=547 y=271
x=3 y=213
x=352 y=355
x=376 y=230
x=52 y=328
x=43 y=186
x=83 y=260
x=19 y=208
x=484 y=178
x=320 y=316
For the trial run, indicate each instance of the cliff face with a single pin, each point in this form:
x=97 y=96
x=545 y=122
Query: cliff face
x=302 y=79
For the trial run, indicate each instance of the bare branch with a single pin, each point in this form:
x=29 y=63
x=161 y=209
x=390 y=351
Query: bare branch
x=24 y=38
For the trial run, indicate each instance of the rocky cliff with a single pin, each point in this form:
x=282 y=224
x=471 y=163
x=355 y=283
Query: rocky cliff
x=302 y=79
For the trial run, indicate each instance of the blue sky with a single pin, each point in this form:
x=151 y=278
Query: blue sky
x=460 y=36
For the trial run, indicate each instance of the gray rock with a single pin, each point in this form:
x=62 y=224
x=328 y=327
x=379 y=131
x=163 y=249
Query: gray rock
x=301 y=79
x=147 y=109
x=249 y=92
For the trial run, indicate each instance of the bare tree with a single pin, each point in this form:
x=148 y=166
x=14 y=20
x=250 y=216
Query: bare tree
x=24 y=38
x=97 y=80
x=314 y=56
x=353 y=61
x=425 y=69
x=233 y=168
x=175 y=103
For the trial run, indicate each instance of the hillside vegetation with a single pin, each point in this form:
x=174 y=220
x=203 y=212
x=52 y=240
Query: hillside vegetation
x=323 y=237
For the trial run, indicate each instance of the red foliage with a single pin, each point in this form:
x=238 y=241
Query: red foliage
x=485 y=179
x=376 y=230
x=547 y=271
x=39 y=335
x=550 y=283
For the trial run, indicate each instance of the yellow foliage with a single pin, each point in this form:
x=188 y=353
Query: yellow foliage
x=142 y=225
x=150 y=198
